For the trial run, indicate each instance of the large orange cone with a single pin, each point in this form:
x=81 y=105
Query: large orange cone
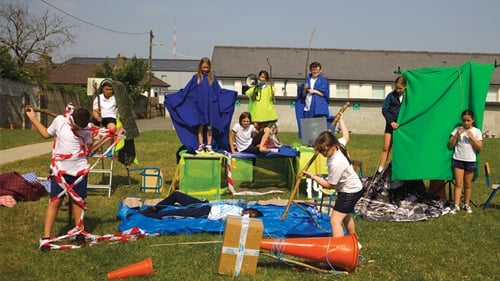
x=142 y=268
x=340 y=252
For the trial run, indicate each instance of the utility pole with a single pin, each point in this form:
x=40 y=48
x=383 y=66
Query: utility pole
x=150 y=73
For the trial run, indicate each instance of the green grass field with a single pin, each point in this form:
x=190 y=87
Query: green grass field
x=452 y=247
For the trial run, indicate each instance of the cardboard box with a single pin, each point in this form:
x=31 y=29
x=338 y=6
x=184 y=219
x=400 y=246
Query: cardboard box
x=240 y=246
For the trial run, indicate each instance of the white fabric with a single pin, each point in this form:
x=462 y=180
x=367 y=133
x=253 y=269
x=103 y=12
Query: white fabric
x=67 y=143
x=221 y=211
x=108 y=106
x=341 y=174
x=243 y=136
x=308 y=99
x=463 y=149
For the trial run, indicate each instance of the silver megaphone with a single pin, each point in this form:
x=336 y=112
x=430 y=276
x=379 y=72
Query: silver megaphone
x=252 y=80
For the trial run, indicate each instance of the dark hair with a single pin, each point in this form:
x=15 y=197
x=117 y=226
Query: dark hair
x=266 y=74
x=106 y=82
x=471 y=114
x=314 y=64
x=468 y=112
x=81 y=117
x=256 y=213
x=401 y=80
x=325 y=140
x=244 y=115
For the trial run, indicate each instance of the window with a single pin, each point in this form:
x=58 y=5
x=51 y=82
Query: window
x=492 y=95
x=378 y=91
x=227 y=85
x=342 y=91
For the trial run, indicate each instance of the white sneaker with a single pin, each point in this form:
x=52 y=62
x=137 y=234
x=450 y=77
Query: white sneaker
x=209 y=149
x=455 y=209
x=359 y=245
x=201 y=148
x=468 y=209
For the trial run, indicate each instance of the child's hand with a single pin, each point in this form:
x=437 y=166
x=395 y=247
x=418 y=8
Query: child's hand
x=30 y=112
x=307 y=174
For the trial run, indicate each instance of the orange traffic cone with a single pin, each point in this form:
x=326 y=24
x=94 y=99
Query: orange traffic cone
x=341 y=252
x=11 y=126
x=142 y=268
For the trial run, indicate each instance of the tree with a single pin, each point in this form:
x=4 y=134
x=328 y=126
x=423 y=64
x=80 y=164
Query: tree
x=29 y=37
x=131 y=74
x=8 y=67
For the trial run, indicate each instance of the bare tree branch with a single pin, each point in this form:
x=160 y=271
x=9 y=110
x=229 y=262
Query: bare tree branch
x=30 y=37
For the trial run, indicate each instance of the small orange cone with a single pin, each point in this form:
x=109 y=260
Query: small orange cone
x=32 y=127
x=142 y=268
x=11 y=126
x=342 y=252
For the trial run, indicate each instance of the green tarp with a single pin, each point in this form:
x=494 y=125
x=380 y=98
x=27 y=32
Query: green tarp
x=434 y=101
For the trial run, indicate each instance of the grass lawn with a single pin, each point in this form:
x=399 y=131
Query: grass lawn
x=452 y=247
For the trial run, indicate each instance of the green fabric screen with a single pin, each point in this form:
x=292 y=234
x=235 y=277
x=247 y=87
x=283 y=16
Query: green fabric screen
x=434 y=101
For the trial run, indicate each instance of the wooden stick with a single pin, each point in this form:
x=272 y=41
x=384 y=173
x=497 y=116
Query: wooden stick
x=304 y=90
x=46 y=111
x=299 y=176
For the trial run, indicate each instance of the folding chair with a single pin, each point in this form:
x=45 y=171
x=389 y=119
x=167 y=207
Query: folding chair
x=493 y=187
x=152 y=179
x=331 y=193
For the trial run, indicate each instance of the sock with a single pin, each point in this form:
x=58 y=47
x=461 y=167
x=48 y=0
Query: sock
x=380 y=169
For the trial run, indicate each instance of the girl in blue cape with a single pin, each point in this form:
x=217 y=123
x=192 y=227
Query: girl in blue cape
x=202 y=111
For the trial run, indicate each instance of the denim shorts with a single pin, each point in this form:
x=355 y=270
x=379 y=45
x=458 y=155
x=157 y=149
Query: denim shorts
x=464 y=165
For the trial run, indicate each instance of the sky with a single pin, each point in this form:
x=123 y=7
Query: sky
x=105 y=28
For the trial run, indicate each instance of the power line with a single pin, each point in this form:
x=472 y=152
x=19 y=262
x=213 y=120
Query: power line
x=94 y=25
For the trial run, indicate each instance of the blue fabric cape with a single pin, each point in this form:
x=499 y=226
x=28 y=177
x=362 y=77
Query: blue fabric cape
x=319 y=105
x=198 y=105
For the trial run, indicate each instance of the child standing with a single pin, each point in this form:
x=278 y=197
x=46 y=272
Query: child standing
x=240 y=137
x=390 y=110
x=261 y=100
x=202 y=111
x=313 y=96
x=466 y=140
x=72 y=145
x=341 y=177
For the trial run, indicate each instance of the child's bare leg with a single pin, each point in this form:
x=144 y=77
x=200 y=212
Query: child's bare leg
x=459 y=182
x=77 y=212
x=468 y=186
x=50 y=216
x=349 y=224
x=385 y=151
x=336 y=222
x=200 y=135
x=209 y=135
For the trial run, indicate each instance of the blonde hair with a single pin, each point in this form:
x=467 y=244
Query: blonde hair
x=210 y=74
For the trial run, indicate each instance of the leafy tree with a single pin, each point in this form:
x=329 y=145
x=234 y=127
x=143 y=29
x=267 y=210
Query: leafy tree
x=29 y=37
x=8 y=67
x=131 y=74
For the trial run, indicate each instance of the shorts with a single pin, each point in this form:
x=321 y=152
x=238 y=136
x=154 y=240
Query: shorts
x=104 y=122
x=80 y=188
x=464 y=165
x=107 y=120
x=346 y=201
